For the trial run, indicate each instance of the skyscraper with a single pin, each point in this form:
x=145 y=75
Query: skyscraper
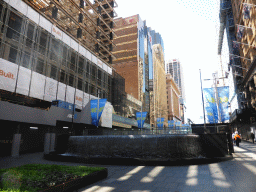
x=174 y=68
x=132 y=57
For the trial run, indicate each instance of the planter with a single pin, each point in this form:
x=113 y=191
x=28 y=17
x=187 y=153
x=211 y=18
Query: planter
x=79 y=182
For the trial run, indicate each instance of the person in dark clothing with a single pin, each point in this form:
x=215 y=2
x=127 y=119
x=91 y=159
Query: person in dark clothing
x=252 y=136
x=237 y=139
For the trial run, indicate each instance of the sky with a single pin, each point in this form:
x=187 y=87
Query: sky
x=189 y=29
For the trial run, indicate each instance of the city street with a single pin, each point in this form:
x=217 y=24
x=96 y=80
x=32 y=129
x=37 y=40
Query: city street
x=238 y=174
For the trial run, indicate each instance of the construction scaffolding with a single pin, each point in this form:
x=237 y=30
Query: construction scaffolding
x=90 y=24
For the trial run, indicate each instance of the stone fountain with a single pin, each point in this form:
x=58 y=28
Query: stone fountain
x=147 y=147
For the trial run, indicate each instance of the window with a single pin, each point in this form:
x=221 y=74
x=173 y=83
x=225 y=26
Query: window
x=65 y=55
x=80 y=84
x=71 y=80
x=86 y=86
x=55 y=50
x=93 y=90
x=40 y=66
x=53 y=72
x=62 y=76
x=72 y=65
x=14 y=26
x=26 y=60
x=43 y=42
x=93 y=73
x=88 y=69
x=99 y=77
x=81 y=66
x=13 y=54
x=30 y=35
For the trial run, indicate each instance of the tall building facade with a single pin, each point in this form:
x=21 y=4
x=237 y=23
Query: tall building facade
x=158 y=95
x=173 y=99
x=174 y=68
x=238 y=18
x=132 y=57
x=53 y=50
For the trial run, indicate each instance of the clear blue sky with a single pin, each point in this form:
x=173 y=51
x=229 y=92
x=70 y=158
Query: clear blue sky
x=189 y=31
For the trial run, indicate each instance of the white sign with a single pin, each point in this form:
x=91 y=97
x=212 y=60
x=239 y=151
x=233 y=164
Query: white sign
x=50 y=89
x=70 y=94
x=79 y=99
x=8 y=75
x=37 y=86
x=106 y=117
x=61 y=91
x=23 y=81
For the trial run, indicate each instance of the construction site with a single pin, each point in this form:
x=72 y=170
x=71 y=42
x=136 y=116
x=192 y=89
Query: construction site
x=90 y=23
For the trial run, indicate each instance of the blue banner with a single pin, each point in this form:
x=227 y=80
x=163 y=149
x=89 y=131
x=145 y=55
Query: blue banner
x=171 y=123
x=178 y=125
x=210 y=105
x=95 y=112
x=223 y=94
x=160 y=122
x=141 y=120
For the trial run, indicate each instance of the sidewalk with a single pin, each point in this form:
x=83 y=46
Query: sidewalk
x=235 y=175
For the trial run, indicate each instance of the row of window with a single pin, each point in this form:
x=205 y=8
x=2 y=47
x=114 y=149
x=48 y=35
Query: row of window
x=28 y=45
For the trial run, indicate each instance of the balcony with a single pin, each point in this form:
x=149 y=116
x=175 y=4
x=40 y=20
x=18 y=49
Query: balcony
x=225 y=6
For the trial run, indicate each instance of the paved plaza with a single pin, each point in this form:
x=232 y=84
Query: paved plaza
x=238 y=174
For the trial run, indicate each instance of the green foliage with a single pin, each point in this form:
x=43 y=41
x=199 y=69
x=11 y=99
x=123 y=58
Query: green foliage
x=34 y=177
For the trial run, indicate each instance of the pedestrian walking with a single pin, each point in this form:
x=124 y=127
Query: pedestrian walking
x=237 y=139
x=253 y=137
x=233 y=135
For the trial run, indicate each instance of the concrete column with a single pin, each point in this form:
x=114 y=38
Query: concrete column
x=47 y=143
x=16 y=145
x=52 y=144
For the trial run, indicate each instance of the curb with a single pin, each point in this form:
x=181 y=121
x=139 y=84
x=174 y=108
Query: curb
x=79 y=183
x=248 y=141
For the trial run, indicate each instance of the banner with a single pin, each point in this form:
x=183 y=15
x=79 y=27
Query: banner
x=37 y=85
x=223 y=95
x=178 y=125
x=210 y=105
x=8 y=75
x=171 y=123
x=141 y=120
x=97 y=110
x=23 y=81
x=50 y=89
x=160 y=122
